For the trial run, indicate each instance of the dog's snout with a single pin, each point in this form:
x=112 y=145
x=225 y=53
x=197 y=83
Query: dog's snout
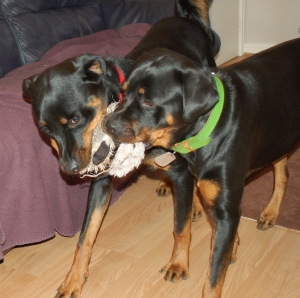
x=71 y=167
x=74 y=166
x=112 y=126
x=119 y=129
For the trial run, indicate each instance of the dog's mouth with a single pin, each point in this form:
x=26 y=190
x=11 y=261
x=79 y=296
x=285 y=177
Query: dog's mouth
x=102 y=151
x=110 y=156
x=100 y=155
x=148 y=145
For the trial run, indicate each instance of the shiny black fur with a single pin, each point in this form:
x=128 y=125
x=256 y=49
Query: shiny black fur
x=259 y=124
x=68 y=100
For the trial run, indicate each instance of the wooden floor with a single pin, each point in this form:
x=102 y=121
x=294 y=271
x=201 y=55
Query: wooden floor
x=136 y=241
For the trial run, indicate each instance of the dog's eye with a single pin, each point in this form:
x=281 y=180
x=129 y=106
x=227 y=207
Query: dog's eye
x=46 y=130
x=75 y=120
x=147 y=103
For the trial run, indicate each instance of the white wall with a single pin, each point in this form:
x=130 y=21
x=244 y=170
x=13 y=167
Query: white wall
x=225 y=20
x=269 y=22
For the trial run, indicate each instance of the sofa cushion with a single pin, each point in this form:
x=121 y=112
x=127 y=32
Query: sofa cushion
x=39 y=25
x=117 y=13
x=9 y=55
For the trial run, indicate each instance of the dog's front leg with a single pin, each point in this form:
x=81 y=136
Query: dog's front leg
x=224 y=205
x=183 y=186
x=98 y=200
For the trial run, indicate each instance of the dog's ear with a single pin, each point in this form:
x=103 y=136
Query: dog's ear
x=93 y=67
x=199 y=93
x=27 y=87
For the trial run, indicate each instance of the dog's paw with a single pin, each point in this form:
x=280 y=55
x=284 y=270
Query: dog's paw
x=68 y=291
x=266 y=221
x=71 y=287
x=163 y=189
x=175 y=272
x=197 y=213
x=197 y=209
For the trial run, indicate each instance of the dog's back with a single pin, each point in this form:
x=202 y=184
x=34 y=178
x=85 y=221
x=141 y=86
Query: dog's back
x=274 y=108
x=188 y=33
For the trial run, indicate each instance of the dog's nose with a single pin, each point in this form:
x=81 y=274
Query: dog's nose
x=111 y=126
x=74 y=167
x=71 y=167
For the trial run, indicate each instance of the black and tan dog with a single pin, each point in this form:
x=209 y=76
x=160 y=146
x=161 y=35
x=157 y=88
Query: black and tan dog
x=226 y=125
x=70 y=99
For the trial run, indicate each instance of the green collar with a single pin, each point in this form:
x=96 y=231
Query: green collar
x=203 y=138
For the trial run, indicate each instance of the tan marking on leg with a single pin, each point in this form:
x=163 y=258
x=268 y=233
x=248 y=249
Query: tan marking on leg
x=54 y=145
x=197 y=206
x=78 y=273
x=207 y=291
x=209 y=190
x=178 y=266
x=216 y=292
x=270 y=213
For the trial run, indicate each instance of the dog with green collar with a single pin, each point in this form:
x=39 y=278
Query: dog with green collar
x=172 y=102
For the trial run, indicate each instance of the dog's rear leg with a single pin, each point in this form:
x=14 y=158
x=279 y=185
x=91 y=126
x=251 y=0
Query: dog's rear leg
x=197 y=205
x=99 y=197
x=269 y=215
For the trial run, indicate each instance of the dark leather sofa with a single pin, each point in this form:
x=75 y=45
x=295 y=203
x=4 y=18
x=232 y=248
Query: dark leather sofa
x=30 y=28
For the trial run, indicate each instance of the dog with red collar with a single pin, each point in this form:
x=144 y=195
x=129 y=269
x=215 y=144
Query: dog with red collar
x=69 y=101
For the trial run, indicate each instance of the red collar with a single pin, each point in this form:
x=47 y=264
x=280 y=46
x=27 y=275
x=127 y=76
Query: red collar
x=121 y=80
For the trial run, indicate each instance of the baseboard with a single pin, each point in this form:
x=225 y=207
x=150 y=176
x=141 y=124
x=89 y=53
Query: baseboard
x=251 y=47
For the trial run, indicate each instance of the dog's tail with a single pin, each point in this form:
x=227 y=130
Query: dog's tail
x=198 y=11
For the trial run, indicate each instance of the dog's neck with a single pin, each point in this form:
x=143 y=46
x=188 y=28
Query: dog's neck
x=203 y=137
x=122 y=63
x=197 y=158
x=121 y=81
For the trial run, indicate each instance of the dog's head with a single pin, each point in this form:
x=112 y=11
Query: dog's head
x=164 y=92
x=68 y=101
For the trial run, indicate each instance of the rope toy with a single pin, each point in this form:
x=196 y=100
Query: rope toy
x=117 y=162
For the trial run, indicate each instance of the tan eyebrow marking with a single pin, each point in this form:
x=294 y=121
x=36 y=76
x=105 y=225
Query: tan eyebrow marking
x=141 y=90
x=63 y=120
x=95 y=101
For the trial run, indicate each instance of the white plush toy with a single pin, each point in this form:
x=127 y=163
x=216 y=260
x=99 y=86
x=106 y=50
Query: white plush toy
x=117 y=163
